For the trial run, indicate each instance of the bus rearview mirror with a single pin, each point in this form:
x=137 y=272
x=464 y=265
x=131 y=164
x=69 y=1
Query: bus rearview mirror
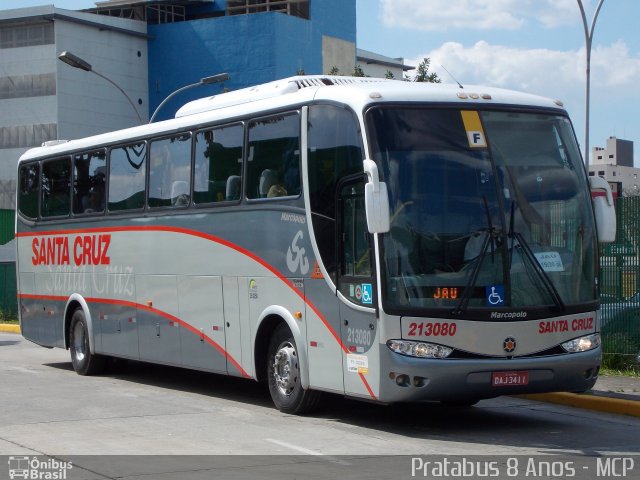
x=604 y=209
x=376 y=200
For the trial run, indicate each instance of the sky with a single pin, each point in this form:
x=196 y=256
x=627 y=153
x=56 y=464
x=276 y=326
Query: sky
x=537 y=46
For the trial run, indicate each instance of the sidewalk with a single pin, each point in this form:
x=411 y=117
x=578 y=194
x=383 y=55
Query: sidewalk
x=9 y=328
x=611 y=394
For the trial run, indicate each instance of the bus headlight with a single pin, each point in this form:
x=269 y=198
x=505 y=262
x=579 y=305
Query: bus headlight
x=582 y=344
x=419 y=349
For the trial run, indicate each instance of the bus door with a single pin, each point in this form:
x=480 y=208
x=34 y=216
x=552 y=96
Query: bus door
x=356 y=284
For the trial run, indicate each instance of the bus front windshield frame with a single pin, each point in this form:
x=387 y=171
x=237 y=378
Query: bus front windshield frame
x=490 y=212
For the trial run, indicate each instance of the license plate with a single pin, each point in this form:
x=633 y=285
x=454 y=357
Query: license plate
x=508 y=379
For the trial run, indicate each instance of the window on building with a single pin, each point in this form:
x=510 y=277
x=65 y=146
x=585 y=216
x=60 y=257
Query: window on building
x=89 y=182
x=218 y=164
x=127 y=176
x=613 y=173
x=599 y=157
x=611 y=156
x=592 y=174
x=170 y=171
x=14 y=36
x=29 y=180
x=601 y=173
x=23 y=86
x=26 y=136
x=274 y=157
x=56 y=191
x=297 y=8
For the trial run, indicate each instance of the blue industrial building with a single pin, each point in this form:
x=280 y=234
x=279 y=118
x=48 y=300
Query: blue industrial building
x=254 y=41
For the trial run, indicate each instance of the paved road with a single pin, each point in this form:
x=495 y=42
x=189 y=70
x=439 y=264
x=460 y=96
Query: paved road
x=152 y=410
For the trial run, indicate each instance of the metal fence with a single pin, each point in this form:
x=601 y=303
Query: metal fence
x=8 y=299
x=620 y=288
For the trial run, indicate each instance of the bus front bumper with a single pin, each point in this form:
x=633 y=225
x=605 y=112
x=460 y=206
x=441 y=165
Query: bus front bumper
x=409 y=379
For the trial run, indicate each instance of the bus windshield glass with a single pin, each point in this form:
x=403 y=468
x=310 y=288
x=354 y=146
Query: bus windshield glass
x=489 y=209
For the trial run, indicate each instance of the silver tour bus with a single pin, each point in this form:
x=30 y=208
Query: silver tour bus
x=379 y=239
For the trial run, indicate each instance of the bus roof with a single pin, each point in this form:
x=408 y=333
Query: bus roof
x=357 y=92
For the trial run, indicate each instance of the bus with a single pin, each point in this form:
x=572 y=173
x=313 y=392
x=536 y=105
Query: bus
x=383 y=240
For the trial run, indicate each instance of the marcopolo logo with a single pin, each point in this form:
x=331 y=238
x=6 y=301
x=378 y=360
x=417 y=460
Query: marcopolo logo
x=34 y=468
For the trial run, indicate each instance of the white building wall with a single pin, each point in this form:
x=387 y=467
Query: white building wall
x=83 y=104
x=89 y=104
x=627 y=177
x=380 y=71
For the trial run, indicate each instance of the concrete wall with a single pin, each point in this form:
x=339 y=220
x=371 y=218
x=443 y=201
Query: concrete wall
x=88 y=104
x=81 y=103
x=335 y=18
x=252 y=49
x=338 y=53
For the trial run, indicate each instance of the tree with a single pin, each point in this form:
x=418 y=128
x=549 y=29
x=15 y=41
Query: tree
x=423 y=75
x=358 y=72
x=389 y=75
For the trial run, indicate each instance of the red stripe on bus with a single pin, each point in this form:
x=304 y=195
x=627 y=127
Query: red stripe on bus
x=139 y=306
x=221 y=241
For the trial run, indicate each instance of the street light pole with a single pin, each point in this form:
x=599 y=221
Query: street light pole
x=221 y=77
x=588 y=35
x=77 y=62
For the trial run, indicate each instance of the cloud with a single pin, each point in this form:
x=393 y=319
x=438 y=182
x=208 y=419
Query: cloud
x=547 y=72
x=441 y=15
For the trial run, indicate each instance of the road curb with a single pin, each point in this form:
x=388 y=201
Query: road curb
x=590 y=402
x=9 y=328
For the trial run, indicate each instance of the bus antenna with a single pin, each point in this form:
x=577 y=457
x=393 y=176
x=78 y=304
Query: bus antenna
x=454 y=78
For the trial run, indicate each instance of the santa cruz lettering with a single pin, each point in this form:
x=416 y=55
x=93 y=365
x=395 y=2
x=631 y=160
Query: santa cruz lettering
x=84 y=250
x=576 y=325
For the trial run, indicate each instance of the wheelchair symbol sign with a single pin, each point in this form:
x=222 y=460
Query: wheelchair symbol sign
x=367 y=293
x=495 y=295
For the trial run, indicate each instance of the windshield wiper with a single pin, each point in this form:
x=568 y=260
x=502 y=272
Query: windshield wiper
x=523 y=246
x=528 y=254
x=490 y=237
x=466 y=296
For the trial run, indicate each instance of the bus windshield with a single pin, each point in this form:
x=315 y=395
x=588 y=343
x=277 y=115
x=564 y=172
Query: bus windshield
x=489 y=210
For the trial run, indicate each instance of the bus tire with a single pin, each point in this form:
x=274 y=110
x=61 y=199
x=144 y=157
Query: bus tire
x=83 y=361
x=283 y=375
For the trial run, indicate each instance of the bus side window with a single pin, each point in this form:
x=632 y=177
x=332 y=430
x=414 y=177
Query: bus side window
x=170 y=172
x=29 y=182
x=274 y=157
x=127 y=177
x=56 y=191
x=218 y=164
x=89 y=182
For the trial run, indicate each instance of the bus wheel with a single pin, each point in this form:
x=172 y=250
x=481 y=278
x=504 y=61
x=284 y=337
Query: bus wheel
x=84 y=362
x=283 y=373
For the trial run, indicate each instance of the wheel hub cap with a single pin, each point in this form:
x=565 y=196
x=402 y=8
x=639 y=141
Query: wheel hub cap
x=79 y=341
x=285 y=369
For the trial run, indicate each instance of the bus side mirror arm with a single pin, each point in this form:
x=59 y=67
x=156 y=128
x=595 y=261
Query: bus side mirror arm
x=376 y=200
x=603 y=208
